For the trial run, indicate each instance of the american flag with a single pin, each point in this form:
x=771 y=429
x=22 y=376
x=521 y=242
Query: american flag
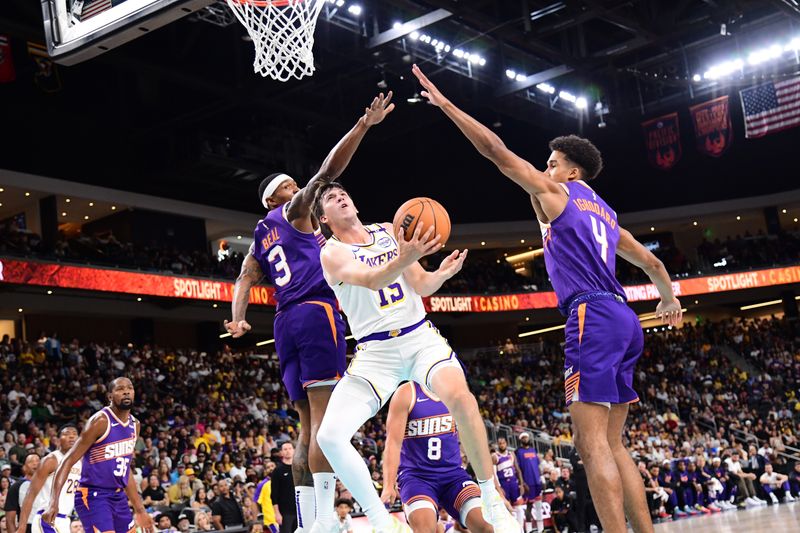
x=771 y=107
x=92 y=8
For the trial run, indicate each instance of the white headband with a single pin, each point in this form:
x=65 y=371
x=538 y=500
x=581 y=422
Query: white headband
x=272 y=186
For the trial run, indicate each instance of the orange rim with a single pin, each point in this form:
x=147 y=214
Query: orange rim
x=266 y=3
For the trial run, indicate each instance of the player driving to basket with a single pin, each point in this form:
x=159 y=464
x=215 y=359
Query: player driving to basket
x=379 y=283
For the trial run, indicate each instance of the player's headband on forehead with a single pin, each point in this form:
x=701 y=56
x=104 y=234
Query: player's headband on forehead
x=272 y=186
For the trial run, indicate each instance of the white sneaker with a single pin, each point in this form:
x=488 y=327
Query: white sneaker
x=324 y=526
x=788 y=498
x=760 y=501
x=751 y=502
x=396 y=526
x=773 y=498
x=498 y=516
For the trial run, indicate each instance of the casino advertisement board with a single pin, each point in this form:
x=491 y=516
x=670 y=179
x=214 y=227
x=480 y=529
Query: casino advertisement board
x=58 y=275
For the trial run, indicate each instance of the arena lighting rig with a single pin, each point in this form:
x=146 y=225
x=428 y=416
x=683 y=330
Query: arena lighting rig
x=760 y=56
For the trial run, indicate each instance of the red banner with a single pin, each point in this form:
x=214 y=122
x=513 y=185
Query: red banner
x=712 y=126
x=7 y=71
x=109 y=280
x=23 y=272
x=663 y=140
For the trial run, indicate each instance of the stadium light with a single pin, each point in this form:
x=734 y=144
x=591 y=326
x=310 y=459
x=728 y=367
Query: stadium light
x=765 y=54
x=581 y=103
x=511 y=74
x=762 y=304
x=546 y=88
x=414 y=35
x=697 y=77
x=569 y=97
x=397 y=25
x=521 y=77
x=524 y=256
x=224 y=335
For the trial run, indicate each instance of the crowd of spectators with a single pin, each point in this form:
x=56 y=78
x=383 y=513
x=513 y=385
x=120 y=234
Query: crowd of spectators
x=485 y=272
x=214 y=425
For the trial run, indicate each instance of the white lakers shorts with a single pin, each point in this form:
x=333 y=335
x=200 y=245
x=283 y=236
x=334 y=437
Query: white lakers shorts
x=416 y=356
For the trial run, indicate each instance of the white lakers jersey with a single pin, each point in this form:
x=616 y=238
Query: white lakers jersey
x=395 y=306
x=66 y=500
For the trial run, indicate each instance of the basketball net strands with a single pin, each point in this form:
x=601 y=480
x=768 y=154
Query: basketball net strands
x=283 y=34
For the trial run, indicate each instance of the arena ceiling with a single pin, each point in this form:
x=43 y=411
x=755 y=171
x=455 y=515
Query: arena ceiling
x=180 y=113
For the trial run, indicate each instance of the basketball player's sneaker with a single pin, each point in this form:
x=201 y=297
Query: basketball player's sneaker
x=395 y=526
x=499 y=517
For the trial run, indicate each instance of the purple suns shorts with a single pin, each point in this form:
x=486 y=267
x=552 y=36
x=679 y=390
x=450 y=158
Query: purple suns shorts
x=309 y=338
x=450 y=490
x=603 y=342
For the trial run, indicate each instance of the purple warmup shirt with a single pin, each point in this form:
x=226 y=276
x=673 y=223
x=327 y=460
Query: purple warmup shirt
x=106 y=465
x=580 y=246
x=431 y=440
x=290 y=258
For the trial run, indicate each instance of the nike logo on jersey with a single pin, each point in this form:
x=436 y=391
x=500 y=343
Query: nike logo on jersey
x=467 y=483
x=113 y=425
x=419 y=400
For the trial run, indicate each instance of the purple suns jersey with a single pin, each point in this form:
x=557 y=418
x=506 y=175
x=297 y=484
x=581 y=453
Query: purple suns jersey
x=430 y=443
x=528 y=461
x=106 y=464
x=506 y=473
x=290 y=258
x=580 y=246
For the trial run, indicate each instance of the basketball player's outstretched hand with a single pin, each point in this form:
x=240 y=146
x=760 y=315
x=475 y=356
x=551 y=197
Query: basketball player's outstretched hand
x=451 y=265
x=669 y=312
x=144 y=521
x=378 y=109
x=237 y=329
x=418 y=246
x=431 y=92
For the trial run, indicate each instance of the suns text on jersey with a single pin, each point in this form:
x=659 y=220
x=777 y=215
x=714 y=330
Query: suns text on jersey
x=428 y=427
x=119 y=449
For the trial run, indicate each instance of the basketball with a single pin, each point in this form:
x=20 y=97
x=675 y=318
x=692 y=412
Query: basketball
x=426 y=211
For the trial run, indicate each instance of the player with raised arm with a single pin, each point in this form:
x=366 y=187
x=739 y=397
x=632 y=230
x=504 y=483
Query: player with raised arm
x=106 y=448
x=603 y=336
x=423 y=456
x=309 y=331
x=37 y=499
x=379 y=283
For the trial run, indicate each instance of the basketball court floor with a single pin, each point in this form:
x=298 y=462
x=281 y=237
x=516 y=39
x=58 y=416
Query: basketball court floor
x=784 y=518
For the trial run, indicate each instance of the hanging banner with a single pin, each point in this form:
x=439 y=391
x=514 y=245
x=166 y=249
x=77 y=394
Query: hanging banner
x=663 y=141
x=712 y=126
x=7 y=71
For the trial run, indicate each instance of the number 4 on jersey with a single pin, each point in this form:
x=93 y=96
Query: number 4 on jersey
x=599 y=230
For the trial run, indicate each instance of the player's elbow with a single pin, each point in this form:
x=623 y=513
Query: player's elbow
x=653 y=264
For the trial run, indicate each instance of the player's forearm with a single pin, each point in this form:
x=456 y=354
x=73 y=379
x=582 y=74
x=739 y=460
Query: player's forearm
x=341 y=154
x=241 y=297
x=377 y=278
x=658 y=274
x=430 y=282
x=133 y=496
x=391 y=463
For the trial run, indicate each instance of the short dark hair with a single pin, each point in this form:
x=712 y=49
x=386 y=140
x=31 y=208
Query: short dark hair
x=68 y=425
x=581 y=152
x=321 y=194
x=345 y=501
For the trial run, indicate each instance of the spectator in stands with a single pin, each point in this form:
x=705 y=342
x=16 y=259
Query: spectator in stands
x=283 y=490
x=154 y=496
x=200 y=500
x=164 y=524
x=202 y=521
x=183 y=525
x=226 y=511
x=180 y=494
x=345 y=521
x=562 y=512
x=5 y=485
x=238 y=471
x=775 y=485
x=76 y=527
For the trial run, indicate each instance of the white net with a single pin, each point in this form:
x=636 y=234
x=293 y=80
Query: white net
x=283 y=35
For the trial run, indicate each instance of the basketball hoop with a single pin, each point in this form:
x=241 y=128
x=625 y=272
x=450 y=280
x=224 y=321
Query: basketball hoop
x=283 y=35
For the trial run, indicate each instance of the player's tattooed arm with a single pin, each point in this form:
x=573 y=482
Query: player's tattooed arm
x=250 y=275
x=669 y=308
x=396 y=421
x=340 y=156
x=47 y=467
x=97 y=427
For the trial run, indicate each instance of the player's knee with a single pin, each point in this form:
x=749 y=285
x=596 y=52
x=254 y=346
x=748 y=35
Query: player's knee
x=461 y=401
x=328 y=438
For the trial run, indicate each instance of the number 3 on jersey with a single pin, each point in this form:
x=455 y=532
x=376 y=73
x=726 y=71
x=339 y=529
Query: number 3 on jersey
x=280 y=266
x=122 y=466
x=599 y=230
